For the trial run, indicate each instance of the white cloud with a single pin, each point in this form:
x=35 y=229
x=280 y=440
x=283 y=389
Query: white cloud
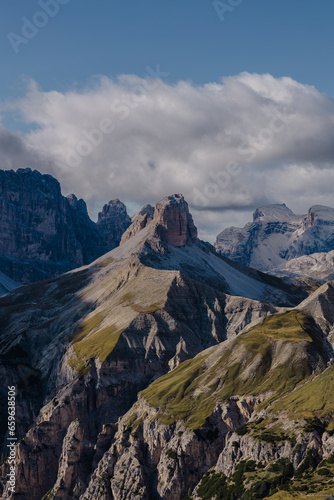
x=228 y=146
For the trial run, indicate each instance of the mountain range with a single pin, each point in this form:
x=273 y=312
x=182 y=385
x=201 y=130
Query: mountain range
x=282 y=243
x=165 y=370
x=44 y=234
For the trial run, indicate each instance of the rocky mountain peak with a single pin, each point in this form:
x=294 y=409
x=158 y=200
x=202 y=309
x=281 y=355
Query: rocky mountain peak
x=78 y=204
x=112 y=222
x=112 y=208
x=279 y=241
x=274 y=213
x=138 y=222
x=44 y=234
x=319 y=214
x=169 y=220
x=174 y=223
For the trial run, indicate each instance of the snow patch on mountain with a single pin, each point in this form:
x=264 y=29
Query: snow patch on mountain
x=278 y=236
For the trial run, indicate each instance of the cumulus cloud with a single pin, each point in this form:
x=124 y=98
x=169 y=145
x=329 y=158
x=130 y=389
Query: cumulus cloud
x=229 y=147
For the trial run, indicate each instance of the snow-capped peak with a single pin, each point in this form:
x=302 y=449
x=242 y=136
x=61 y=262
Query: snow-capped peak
x=275 y=213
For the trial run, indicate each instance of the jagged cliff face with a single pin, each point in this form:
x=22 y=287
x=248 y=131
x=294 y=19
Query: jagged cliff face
x=174 y=223
x=80 y=347
x=138 y=222
x=169 y=220
x=90 y=237
x=44 y=234
x=252 y=406
x=278 y=241
x=113 y=221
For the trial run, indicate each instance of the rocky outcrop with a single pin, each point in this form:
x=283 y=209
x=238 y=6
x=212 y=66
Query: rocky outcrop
x=174 y=223
x=170 y=221
x=277 y=236
x=151 y=460
x=43 y=234
x=148 y=459
x=112 y=222
x=140 y=220
x=86 y=232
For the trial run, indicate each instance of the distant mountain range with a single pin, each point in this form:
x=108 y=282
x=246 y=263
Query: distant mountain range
x=280 y=242
x=44 y=234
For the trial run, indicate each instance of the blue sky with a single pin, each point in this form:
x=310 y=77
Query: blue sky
x=253 y=89
x=187 y=38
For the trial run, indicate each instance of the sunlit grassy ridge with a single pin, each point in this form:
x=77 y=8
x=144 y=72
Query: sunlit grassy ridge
x=127 y=293
x=90 y=341
x=270 y=359
x=316 y=396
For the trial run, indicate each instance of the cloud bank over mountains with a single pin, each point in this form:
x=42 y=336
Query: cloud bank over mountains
x=228 y=147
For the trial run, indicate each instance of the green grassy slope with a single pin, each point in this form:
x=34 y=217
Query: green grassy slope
x=270 y=359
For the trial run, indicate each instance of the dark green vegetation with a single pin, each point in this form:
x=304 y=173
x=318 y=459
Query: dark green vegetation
x=244 y=483
x=171 y=454
x=278 y=480
x=267 y=430
x=270 y=359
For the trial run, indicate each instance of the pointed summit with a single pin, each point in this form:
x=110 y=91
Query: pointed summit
x=112 y=222
x=138 y=222
x=170 y=221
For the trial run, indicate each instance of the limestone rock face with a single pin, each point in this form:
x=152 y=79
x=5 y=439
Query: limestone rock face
x=112 y=222
x=170 y=221
x=44 y=234
x=155 y=460
x=138 y=222
x=174 y=223
x=35 y=225
x=85 y=230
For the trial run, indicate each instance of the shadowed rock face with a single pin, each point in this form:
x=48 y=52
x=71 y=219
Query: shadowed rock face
x=86 y=232
x=112 y=222
x=44 y=234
